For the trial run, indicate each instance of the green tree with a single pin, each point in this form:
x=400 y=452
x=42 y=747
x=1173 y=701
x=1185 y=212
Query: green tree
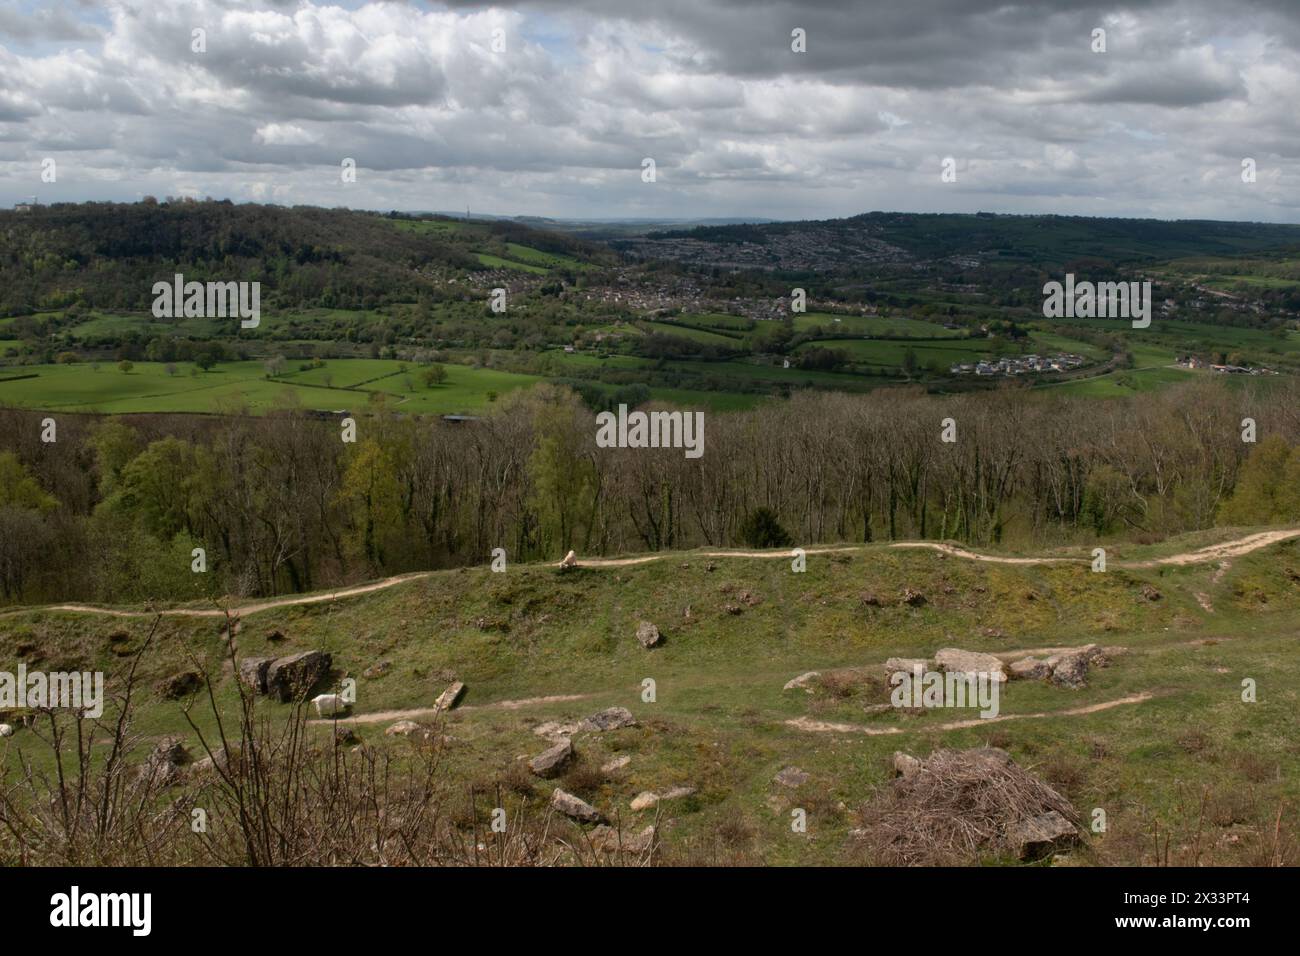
x=1268 y=488
x=114 y=445
x=163 y=487
x=371 y=496
x=206 y=359
x=563 y=475
x=18 y=489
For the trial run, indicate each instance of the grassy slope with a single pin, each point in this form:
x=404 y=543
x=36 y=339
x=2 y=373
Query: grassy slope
x=718 y=722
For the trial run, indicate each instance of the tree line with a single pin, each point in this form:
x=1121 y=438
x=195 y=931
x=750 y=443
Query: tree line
x=113 y=509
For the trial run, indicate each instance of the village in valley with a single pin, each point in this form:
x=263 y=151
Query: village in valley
x=1020 y=364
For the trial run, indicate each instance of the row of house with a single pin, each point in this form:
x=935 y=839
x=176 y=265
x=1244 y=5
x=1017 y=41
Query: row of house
x=1021 y=365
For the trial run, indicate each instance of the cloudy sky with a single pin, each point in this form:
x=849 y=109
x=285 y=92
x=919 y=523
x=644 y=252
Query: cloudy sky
x=549 y=108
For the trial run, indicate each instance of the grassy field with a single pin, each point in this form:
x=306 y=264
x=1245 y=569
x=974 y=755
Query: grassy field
x=497 y=262
x=433 y=227
x=1051 y=342
x=1192 y=762
x=899 y=326
x=1127 y=382
x=702 y=336
x=748 y=374
x=547 y=260
x=338 y=384
x=715 y=320
x=889 y=353
x=1175 y=335
x=149 y=388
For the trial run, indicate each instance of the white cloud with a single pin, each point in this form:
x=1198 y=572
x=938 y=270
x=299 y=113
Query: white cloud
x=558 y=123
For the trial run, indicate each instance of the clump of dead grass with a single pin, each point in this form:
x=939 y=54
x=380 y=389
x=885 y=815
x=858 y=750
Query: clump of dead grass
x=955 y=809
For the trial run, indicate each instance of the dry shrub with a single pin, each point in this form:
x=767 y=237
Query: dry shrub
x=1065 y=772
x=1256 y=768
x=1219 y=825
x=846 y=682
x=1002 y=739
x=731 y=843
x=273 y=796
x=1227 y=806
x=518 y=779
x=955 y=809
x=1279 y=844
x=838 y=684
x=736 y=833
x=583 y=776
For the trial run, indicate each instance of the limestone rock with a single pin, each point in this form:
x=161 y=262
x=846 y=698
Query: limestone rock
x=294 y=677
x=955 y=660
x=575 y=808
x=557 y=728
x=647 y=799
x=908 y=665
x=552 y=760
x=403 y=728
x=1096 y=655
x=1036 y=837
x=905 y=765
x=611 y=718
x=803 y=682
x=648 y=634
x=450 y=697
x=1030 y=668
x=1071 y=670
x=252 y=672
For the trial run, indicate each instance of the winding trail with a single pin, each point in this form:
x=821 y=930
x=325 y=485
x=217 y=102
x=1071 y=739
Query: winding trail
x=380 y=716
x=1214 y=552
x=822 y=726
